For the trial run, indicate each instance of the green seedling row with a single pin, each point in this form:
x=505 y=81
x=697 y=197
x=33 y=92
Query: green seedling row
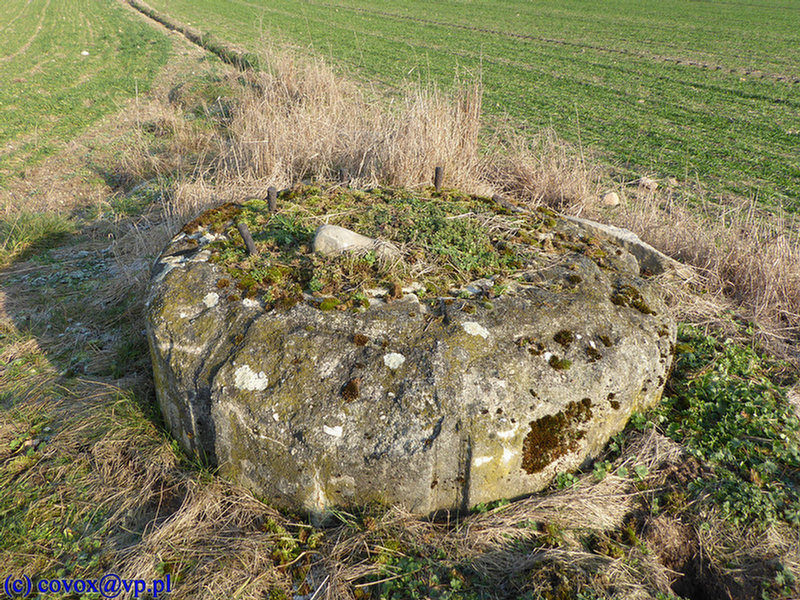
x=64 y=64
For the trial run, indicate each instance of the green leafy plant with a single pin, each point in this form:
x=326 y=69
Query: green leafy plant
x=565 y=480
x=727 y=403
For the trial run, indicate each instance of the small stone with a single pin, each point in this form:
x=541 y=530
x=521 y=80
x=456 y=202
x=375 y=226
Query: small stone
x=610 y=199
x=393 y=360
x=413 y=288
x=85 y=53
x=651 y=185
x=376 y=292
x=649 y=258
x=332 y=239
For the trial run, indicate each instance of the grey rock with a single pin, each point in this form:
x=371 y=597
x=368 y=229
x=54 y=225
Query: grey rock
x=610 y=199
x=332 y=239
x=649 y=259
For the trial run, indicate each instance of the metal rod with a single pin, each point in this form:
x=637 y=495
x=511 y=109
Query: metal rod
x=248 y=239
x=438 y=175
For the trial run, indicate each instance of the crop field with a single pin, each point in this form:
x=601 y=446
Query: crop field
x=706 y=92
x=115 y=134
x=63 y=65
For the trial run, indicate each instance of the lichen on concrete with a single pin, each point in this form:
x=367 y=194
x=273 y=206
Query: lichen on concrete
x=441 y=390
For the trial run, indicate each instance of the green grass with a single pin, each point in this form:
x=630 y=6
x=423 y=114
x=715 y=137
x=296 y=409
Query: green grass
x=26 y=232
x=728 y=405
x=606 y=74
x=51 y=92
x=444 y=235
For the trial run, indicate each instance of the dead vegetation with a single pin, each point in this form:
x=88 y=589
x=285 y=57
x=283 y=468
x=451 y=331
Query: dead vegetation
x=298 y=121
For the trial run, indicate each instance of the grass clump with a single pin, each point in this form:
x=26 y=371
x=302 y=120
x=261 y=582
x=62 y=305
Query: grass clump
x=728 y=405
x=447 y=240
x=415 y=573
x=28 y=232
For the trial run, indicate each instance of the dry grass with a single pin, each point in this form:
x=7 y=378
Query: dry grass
x=300 y=120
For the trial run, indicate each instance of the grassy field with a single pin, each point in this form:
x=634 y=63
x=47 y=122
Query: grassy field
x=699 y=498
x=708 y=93
x=51 y=90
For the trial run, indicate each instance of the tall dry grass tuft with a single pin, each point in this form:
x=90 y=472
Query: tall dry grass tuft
x=748 y=260
x=540 y=169
x=215 y=522
x=300 y=120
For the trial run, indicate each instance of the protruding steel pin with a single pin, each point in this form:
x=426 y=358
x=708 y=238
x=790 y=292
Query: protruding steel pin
x=248 y=239
x=438 y=175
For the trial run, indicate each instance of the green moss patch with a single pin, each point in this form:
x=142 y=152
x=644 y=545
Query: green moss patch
x=564 y=337
x=627 y=295
x=559 y=364
x=447 y=239
x=554 y=436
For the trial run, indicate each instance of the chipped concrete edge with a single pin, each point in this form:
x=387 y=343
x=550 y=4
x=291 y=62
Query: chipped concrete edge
x=648 y=257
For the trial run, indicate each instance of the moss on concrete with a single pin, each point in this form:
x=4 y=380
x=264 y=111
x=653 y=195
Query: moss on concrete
x=554 y=436
x=448 y=240
x=627 y=295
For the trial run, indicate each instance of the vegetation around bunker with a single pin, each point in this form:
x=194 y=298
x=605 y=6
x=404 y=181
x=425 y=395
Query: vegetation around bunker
x=106 y=490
